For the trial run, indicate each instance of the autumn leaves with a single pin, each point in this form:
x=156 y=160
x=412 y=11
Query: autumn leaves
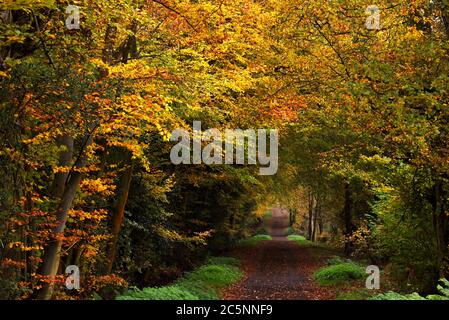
x=245 y=142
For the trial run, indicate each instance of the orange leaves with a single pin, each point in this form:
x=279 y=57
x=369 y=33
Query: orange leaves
x=96 y=283
x=12 y=263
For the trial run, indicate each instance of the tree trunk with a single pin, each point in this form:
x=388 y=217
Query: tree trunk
x=320 y=219
x=52 y=251
x=347 y=218
x=315 y=219
x=118 y=215
x=310 y=225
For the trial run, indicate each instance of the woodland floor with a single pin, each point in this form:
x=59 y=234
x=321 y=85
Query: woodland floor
x=279 y=269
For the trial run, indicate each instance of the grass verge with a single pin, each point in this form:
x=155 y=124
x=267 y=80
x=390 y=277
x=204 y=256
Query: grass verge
x=254 y=240
x=299 y=239
x=204 y=283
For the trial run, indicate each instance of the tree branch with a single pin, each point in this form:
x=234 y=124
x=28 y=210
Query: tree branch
x=166 y=6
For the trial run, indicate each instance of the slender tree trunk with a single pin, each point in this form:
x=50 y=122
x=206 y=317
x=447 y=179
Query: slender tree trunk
x=315 y=219
x=320 y=217
x=118 y=214
x=51 y=258
x=347 y=217
x=310 y=224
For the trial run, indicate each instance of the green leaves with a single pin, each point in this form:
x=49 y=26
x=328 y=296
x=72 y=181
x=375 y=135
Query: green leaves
x=26 y=4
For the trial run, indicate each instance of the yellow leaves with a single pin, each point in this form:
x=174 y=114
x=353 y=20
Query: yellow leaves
x=198 y=238
x=165 y=134
x=134 y=69
x=40 y=138
x=23 y=247
x=58 y=169
x=104 y=187
x=413 y=34
x=375 y=159
x=15 y=244
x=90 y=251
x=26 y=4
x=95 y=215
x=136 y=149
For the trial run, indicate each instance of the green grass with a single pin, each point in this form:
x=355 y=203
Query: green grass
x=254 y=240
x=306 y=243
x=397 y=296
x=339 y=271
x=443 y=289
x=295 y=237
x=300 y=240
x=204 y=283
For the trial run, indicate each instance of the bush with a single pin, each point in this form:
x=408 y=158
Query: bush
x=203 y=283
x=443 y=289
x=404 y=240
x=339 y=272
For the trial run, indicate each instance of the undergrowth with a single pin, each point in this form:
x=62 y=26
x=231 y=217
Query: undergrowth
x=204 y=283
x=339 y=271
x=443 y=289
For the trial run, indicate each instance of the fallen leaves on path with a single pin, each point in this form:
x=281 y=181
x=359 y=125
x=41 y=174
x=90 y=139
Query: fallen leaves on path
x=279 y=270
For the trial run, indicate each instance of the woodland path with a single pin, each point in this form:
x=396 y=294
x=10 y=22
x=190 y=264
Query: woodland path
x=279 y=269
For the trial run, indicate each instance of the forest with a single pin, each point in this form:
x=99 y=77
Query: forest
x=355 y=92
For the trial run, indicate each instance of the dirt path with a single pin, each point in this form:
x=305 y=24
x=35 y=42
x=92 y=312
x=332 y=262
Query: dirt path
x=279 y=269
